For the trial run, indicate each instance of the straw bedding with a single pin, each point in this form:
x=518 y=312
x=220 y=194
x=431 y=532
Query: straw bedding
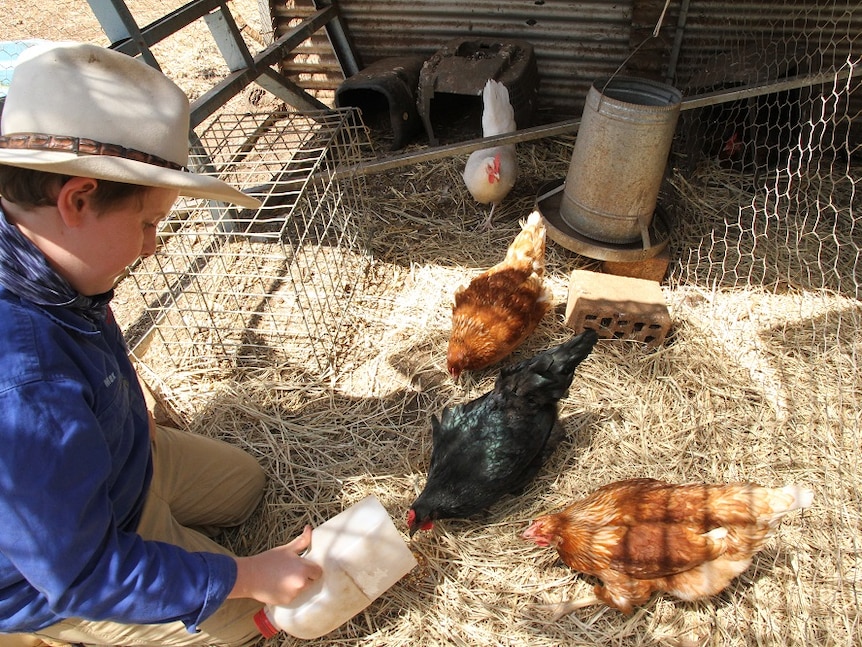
x=755 y=383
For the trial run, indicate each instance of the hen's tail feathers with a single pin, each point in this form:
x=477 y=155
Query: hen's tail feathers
x=780 y=501
x=786 y=499
x=527 y=251
x=563 y=359
x=549 y=373
x=802 y=497
x=498 y=115
x=747 y=503
x=776 y=502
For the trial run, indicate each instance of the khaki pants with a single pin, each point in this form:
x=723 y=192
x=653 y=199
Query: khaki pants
x=198 y=483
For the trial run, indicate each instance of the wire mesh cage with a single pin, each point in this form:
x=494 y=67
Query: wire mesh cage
x=236 y=287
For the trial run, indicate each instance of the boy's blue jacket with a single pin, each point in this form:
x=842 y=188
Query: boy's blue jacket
x=75 y=466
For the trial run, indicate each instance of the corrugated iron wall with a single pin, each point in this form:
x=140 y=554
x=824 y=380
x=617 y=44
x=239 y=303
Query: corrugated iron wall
x=702 y=43
x=574 y=43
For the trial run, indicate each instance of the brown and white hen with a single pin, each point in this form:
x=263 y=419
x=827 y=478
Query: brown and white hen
x=641 y=535
x=503 y=305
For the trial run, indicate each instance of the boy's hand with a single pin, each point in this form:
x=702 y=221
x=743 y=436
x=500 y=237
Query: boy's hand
x=278 y=575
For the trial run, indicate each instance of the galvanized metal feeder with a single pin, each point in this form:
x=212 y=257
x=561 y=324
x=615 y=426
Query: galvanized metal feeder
x=607 y=206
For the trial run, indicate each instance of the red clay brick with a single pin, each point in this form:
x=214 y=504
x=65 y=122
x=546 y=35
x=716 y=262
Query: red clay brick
x=618 y=307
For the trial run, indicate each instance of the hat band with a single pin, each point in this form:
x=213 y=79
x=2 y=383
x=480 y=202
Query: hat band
x=83 y=146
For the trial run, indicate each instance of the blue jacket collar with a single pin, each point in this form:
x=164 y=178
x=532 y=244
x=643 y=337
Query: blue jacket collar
x=25 y=271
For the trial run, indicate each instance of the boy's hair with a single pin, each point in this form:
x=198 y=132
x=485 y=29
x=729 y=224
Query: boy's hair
x=30 y=188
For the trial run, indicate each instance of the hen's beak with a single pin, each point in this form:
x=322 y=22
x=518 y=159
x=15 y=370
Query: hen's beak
x=534 y=534
x=416 y=527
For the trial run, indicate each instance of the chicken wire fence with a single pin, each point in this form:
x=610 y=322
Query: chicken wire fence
x=769 y=175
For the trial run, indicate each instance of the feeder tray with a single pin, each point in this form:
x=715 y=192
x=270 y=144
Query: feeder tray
x=463 y=66
x=548 y=201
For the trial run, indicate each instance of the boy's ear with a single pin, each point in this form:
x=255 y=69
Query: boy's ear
x=75 y=199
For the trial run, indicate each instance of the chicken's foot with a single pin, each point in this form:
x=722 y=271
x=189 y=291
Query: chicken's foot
x=486 y=224
x=565 y=607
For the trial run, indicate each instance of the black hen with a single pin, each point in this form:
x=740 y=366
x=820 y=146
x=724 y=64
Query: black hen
x=495 y=444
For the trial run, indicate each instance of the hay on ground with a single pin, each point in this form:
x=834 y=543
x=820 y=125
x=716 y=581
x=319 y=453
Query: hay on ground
x=757 y=382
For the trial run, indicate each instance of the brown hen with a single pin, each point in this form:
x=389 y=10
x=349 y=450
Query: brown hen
x=501 y=307
x=641 y=535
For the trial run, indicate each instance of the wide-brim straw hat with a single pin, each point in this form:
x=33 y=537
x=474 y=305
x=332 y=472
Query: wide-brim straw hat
x=83 y=110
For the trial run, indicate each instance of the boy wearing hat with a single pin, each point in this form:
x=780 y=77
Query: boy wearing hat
x=97 y=503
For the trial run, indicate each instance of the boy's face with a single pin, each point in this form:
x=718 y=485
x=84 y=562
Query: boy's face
x=109 y=242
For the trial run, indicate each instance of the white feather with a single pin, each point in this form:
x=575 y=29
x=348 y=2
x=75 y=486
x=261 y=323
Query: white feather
x=498 y=115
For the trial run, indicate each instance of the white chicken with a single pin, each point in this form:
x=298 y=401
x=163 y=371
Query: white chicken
x=490 y=173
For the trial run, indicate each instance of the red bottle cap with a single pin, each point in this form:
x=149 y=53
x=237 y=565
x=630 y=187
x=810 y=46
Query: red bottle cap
x=266 y=628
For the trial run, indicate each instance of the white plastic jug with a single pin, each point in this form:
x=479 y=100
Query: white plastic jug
x=362 y=554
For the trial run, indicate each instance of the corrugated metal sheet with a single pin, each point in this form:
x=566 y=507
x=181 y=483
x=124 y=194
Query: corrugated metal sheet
x=574 y=43
x=720 y=42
